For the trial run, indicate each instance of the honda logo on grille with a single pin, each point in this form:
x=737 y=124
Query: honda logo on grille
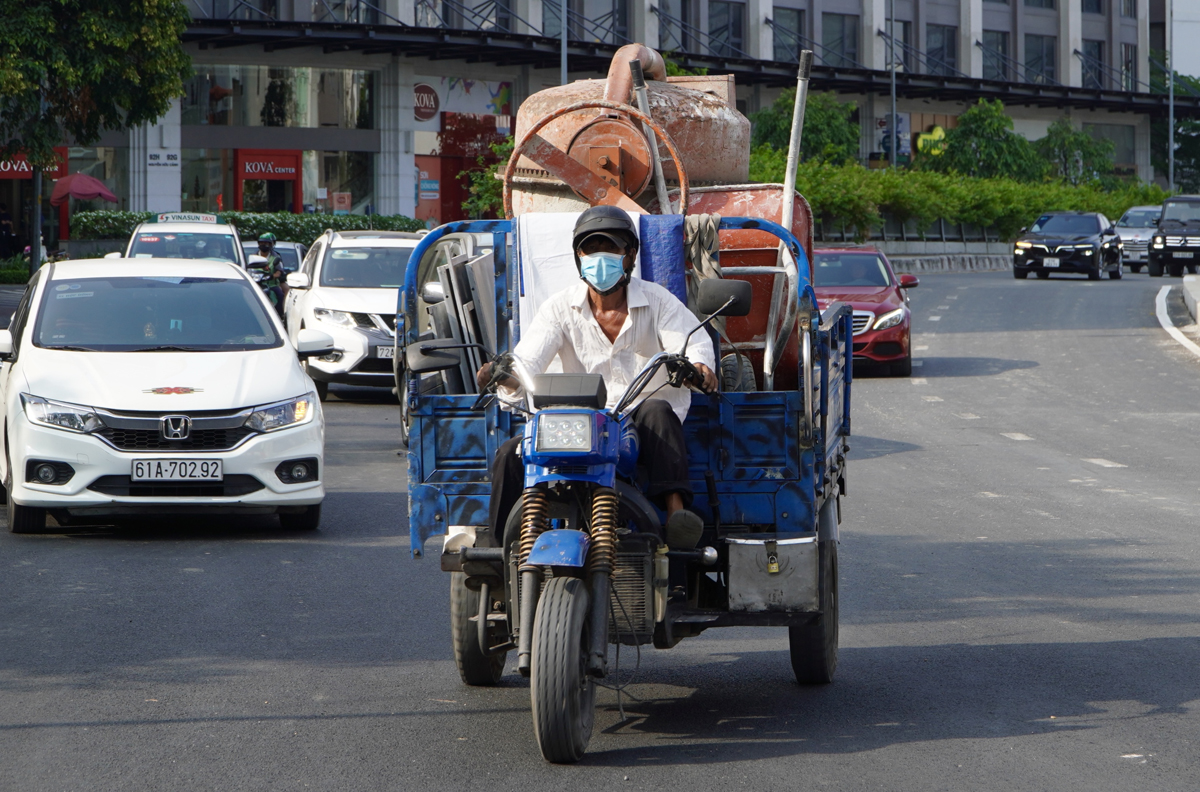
x=176 y=427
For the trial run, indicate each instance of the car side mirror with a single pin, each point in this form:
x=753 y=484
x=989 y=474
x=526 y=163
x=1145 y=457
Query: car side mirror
x=908 y=281
x=298 y=280
x=1023 y=230
x=1112 y=229
x=114 y=254
x=314 y=343
x=721 y=297
x=433 y=292
x=423 y=357
x=6 y=344
x=255 y=260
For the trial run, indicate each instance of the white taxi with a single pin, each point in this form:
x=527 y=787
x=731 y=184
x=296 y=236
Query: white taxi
x=156 y=386
x=185 y=235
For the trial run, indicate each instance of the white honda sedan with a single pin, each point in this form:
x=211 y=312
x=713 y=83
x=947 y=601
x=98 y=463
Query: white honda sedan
x=156 y=386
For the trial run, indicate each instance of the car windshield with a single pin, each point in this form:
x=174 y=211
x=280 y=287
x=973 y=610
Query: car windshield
x=289 y=255
x=179 y=245
x=365 y=267
x=849 y=269
x=1140 y=218
x=1068 y=225
x=151 y=314
x=1181 y=211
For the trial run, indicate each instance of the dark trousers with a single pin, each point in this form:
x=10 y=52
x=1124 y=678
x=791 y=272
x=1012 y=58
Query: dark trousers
x=662 y=462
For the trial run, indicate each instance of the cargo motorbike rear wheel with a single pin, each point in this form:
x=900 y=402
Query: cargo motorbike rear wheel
x=474 y=666
x=563 y=695
x=814 y=647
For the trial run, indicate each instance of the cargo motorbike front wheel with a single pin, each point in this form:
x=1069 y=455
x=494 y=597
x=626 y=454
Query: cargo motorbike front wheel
x=563 y=695
x=814 y=647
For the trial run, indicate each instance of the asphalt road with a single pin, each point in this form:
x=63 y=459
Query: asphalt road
x=1020 y=598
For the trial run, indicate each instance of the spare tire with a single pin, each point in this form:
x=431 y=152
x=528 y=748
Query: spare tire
x=735 y=379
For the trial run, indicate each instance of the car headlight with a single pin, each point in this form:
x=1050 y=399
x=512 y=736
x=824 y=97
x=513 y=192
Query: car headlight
x=1158 y=242
x=890 y=319
x=282 y=415
x=339 y=318
x=1019 y=252
x=1024 y=245
x=564 y=432
x=60 y=415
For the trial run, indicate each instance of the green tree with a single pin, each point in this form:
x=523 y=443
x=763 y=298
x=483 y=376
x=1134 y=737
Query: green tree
x=485 y=188
x=984 y=145
x=830 y=132
x=71 y=68
x=1074 y=156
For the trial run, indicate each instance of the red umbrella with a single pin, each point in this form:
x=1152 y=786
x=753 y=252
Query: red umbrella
x=81 y=186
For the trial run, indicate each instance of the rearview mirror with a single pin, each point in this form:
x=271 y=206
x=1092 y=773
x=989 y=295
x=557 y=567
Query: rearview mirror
x=6 y=344
x=114 y=254
x=716 y=292
x=313 y=343
x=433 y=292
x=423 y=357
x=255 y=260
x=298 y=280
x=908 y=281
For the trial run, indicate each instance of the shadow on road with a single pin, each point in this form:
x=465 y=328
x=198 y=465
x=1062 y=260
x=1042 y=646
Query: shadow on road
x=874 y=447
x=970 y=366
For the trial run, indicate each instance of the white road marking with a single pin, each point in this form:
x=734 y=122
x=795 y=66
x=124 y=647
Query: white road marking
x=920 y=349
x=932 y=398
x=967 y=416
x=918 y=362
x=988 y=495
x=1160 y=308
x=943 y=307
x=951 y=296
x=1105 y=463
x=1016 y=436
x=919 y=381
x=935 y=318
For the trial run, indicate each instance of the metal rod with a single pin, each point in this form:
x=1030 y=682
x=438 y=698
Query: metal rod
x=643 y=102
x=1171 y=95
x=35 y=244
x=892 y=69
x=793 y=157
x=562 y=60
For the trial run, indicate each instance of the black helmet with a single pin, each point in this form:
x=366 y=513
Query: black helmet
x=608 y=220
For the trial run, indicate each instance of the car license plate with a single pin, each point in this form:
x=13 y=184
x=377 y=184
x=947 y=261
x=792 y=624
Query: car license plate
x=1049 y=262
x=177 y=470
x=385 y=352
x=1182 y=255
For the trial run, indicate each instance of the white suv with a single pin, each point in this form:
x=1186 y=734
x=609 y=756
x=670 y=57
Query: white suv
x=347 y=287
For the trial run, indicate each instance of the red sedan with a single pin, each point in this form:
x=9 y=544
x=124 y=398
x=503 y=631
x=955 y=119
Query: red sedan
x=862 y=277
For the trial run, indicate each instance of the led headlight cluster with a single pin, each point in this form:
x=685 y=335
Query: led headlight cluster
x=1158 y=243
x=564 y=432
x=281 y=415
x=890 y=319
x=339 y=318
x=60 y=415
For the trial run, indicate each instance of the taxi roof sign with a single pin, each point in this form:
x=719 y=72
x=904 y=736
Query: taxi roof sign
x=187 y=217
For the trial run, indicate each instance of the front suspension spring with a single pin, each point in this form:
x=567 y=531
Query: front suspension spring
x=533 y=522
x=602 y=555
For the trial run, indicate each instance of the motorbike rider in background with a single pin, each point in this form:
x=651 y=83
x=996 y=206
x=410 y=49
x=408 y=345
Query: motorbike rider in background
x=273 y=282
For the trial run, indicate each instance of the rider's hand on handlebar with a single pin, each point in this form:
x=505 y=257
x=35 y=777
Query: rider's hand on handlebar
x=485 y=378
x=709 y=383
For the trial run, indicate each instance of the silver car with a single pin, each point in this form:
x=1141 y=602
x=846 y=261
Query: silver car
x=1135 y=228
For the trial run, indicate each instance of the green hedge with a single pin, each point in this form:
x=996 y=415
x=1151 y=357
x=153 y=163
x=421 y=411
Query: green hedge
x=288 y=227
x=859 y=197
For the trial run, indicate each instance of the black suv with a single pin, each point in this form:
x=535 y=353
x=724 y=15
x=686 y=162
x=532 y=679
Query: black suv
x=1084 y=242
x=1176 y=243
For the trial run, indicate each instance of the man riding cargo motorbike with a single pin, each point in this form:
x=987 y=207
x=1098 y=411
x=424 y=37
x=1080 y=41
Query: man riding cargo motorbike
x=612 y=324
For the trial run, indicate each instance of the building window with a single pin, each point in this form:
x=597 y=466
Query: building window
x=788 y=30
x=995 y=52
x=1093 y=6
x=672 y=35
x=1040 y=58
x=1093 y=64
x=1004 y=2
x=552 y=19
x=726 y=27
x=275 y=96
x=941 y=49
x=839 y=40
x=1129 y=67
x=1039 y=3
x=1129 y=9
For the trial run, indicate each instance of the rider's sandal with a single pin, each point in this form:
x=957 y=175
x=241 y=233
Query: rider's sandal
x=683 y=530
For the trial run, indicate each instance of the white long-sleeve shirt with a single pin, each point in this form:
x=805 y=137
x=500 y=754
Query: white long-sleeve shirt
x=657 y=322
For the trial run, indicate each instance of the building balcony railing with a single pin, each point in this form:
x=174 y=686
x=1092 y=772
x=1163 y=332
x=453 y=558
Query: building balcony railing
x=1010 y=67
x=825 y=55
x=677 y=35
x=235 y=9
x=927 y=63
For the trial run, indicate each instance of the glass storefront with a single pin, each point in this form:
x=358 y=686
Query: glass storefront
x=330 y=181
x=273 y=96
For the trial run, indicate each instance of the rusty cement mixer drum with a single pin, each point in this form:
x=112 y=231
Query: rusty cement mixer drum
x=697 y=112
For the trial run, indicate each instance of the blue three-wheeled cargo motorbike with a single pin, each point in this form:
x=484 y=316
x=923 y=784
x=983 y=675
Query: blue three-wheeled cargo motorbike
x=581 y=563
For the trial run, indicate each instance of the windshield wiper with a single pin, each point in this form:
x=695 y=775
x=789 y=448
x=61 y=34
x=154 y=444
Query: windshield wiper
x=70 y=348
x=168 y=348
